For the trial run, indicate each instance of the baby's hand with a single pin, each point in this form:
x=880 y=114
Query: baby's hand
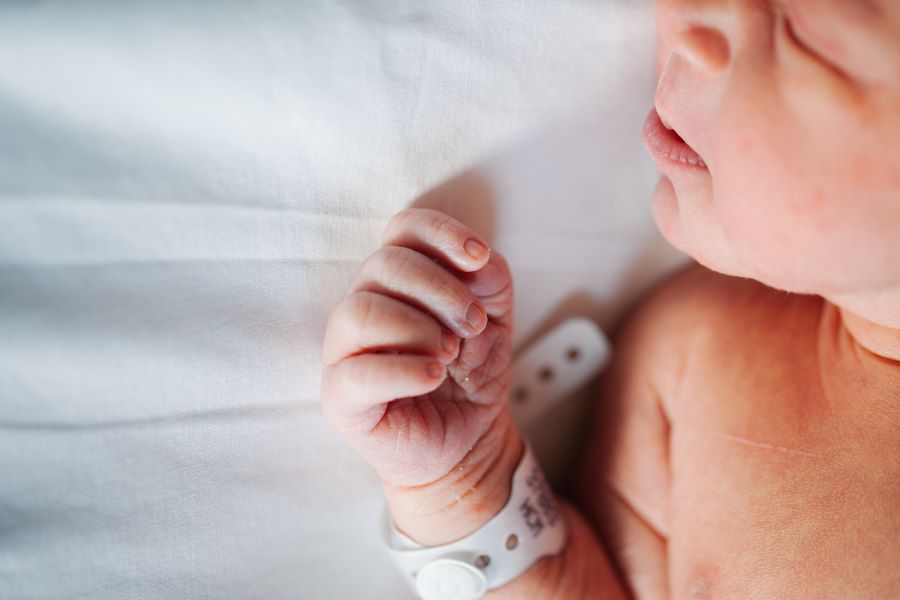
x=417 y=354
x=417 y=369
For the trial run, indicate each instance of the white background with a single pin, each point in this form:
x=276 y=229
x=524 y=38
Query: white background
x=186 y=190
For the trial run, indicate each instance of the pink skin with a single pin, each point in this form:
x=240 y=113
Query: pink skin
x=417 y=368
x=796 y=113
x=776 y=129
x=417 y=361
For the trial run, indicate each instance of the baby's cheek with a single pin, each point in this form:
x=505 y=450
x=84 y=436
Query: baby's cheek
x=765 y=224
x=813 y=207
x=807 y=205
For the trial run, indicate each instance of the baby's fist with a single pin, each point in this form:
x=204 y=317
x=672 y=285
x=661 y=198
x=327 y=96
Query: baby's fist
x=417 y=354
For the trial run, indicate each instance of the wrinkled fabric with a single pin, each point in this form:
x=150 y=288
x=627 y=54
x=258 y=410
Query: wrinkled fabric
x=186 y=190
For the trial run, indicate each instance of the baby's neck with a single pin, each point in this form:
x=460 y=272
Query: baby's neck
x=873 y=319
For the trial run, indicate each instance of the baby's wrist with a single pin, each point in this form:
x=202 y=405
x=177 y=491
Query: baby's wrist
x=581 y=570
x=467 y=497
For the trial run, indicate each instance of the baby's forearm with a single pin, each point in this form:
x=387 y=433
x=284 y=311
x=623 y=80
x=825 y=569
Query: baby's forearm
x=460 y=503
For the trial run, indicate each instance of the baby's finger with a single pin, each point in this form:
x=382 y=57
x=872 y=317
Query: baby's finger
x=366 y=322
x=355 y=391
x=493 y=285
x=414 y=278
x=439 y=236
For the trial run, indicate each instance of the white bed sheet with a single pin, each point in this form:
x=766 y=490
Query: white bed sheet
x=185 y=191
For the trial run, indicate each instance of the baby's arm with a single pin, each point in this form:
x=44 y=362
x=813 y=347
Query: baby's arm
x=626 y=484
x=417 y=373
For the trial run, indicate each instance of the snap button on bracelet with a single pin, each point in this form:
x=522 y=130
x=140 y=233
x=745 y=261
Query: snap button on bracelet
x=450 y=579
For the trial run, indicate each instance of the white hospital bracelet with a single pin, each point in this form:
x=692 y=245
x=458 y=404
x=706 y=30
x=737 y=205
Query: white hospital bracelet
x=528 y=527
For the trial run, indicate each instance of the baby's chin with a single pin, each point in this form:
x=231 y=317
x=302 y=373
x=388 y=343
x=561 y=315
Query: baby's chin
x=714 y=254
x=688 y=221
x=666 y=213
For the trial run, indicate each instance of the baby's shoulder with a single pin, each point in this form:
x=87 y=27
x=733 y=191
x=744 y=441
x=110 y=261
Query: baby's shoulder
x=706 y=318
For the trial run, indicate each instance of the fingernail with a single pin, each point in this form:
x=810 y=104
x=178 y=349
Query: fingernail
x=475 y=249
x=475 y=317
x=448 y=341
x=434 y=369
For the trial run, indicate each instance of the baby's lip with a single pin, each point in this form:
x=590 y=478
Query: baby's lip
x=666 y=146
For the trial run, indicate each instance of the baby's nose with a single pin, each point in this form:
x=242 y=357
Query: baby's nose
x=701 y=31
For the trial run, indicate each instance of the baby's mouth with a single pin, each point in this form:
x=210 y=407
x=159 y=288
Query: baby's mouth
x=666 y=146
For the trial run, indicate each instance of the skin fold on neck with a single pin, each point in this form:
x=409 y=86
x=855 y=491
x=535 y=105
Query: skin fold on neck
x=873 y=320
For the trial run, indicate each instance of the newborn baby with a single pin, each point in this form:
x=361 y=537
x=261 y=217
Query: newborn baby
x=747 y=438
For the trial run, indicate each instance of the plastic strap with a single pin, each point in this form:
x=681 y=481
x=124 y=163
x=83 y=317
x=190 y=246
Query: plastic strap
x=528 y=527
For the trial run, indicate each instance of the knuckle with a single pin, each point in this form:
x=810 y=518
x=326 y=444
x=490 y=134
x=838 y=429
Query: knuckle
x=352 y=316
x=360 y=307
x=334 y=330
x=398 y=262
x=358 y=373
x=372 y=262
x=417 y=219
x=397 y=223
x=443 y=225
x=381 y=261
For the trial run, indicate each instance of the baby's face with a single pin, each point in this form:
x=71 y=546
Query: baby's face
x=789 y=112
